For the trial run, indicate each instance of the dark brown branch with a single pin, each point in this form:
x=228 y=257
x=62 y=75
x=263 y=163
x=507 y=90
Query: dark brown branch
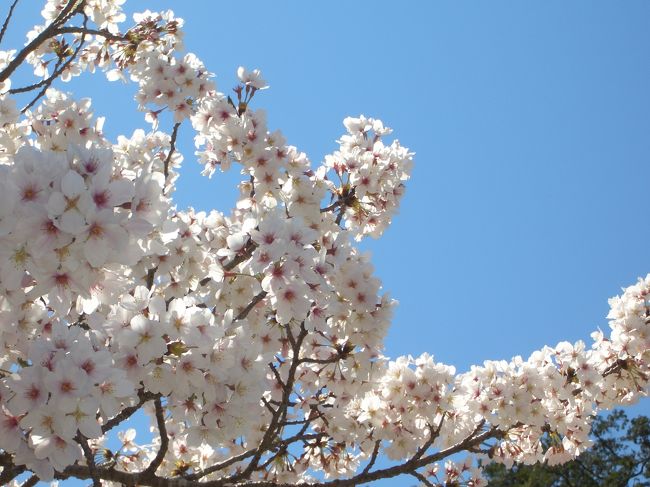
x=164 y=439
x=7 y=20
x=331 y=207
x=95 y=32
x=268 y=406
x=172 y=149
x=422 y=478
x=221 y=465
x=373 y=457
x=404 y=468
x=245 y=254
x=151 y=274
x=278 y=417
x=68 y=11
x=244 y=313
x=300 y=436
x=249 y=453
x=276 y=374
x=127 y=412
x=32 y=481
x=9 y=471
x=90 y=459
x=322 y=361
x=616 y=367
x=249 y=248
x=339 y=217
x=57 y=72
x=49 y=31
x=290 y=337
x=407 y=467
x=434 y=435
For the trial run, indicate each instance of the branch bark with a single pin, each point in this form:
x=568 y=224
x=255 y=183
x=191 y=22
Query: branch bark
x=7 y=20
x=72 y=8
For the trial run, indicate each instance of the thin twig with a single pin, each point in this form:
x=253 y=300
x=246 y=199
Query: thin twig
x=334 y=205
x=322 y=361
x=57 y=72
x=244 y=313
x=95 y=32
x=221 y=465
x=172 y=149
x=127 y=412
x=373 y=457
x=249 y=248
x=249 y=453
x=48 y=32
x=422 y=478
x=7 y=20
x=31 y=481
x=339 y=217
x=278 y=418
x=433 y=435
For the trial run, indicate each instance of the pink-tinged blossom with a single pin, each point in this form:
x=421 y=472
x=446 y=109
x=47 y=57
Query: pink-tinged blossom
x=291 y=302
x=111 y=294
x=60 y=452
x=113 y=391
x=66 y=383
x=10 y=432
x=29 y=390
x=145 y=337
x=104 y=237
x=251 y=78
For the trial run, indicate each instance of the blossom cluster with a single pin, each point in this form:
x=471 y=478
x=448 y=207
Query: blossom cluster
x=254 y=339
x=555 y=393
x=372 y=175
x=72 y=222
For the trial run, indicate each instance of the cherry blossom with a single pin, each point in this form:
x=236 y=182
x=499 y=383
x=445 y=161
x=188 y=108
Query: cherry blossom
x=252 y=339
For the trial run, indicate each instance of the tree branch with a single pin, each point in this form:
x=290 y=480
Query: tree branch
x=95 y=32
x=10 y=471
x=422 y=478
x=32 y=481
x=50 y=31
x=172 y=149
x=434 y=434
x=127 y=412
x=151 y=274
x=245 y=255
x=90 y=459
x=57 y=72
x=278 y=417
x=164 y=439
x=7 y=20
x=331 y=207
x=221 y=465
x=373 y=457
x=243 y=313
x=152 y=480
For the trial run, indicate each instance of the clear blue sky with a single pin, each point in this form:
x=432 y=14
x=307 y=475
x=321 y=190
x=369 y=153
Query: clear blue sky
x=528 y=205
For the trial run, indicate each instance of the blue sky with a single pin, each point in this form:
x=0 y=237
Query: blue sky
x=530 y=122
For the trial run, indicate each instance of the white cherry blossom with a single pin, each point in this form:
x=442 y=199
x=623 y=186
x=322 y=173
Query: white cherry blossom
x=253 y=339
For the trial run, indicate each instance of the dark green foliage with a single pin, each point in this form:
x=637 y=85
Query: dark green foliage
x=619 y=457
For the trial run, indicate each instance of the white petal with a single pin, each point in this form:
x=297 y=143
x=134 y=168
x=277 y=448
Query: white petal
x=72 y=184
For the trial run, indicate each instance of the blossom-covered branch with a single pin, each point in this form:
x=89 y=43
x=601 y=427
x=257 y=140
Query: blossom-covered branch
x=253 y=339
